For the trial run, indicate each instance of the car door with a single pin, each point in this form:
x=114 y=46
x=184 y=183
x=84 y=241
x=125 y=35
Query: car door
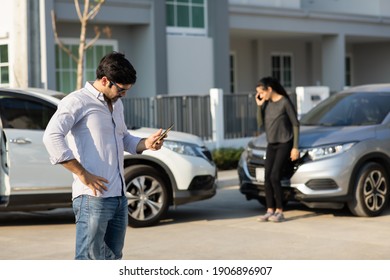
x=4 y=178
x=24 y=119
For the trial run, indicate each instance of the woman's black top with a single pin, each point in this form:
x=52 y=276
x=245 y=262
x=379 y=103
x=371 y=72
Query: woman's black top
x=280 y=122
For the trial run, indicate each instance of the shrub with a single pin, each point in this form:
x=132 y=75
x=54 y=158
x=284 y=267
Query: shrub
x=227 y=158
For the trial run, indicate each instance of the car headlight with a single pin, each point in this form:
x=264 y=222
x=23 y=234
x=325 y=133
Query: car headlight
x=184 y=148
x=249 y=151
x=327 y=151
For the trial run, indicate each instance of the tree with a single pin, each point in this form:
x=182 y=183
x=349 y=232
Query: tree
x=88 y=13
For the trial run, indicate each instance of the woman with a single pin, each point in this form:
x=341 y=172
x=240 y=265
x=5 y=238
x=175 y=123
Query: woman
x=282 y=131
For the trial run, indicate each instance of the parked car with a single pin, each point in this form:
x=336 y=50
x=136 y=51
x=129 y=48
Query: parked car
x=182 y=171
x=345 y=155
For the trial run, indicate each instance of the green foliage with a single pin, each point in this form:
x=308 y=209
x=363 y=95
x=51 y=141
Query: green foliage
x=227 y=158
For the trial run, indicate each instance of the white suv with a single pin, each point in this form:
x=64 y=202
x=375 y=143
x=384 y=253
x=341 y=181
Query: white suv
x=182 y=171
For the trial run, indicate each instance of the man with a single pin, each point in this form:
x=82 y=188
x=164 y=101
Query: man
x=88 y=136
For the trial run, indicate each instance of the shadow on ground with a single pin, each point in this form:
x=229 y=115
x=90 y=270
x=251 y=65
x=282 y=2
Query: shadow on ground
x=228 y=203
x=21 y=218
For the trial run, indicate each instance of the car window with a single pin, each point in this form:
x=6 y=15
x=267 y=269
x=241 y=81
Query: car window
x=24 y=113
x=349 y=110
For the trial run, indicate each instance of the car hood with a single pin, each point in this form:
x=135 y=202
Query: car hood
x=145 y=132
x=312 y=136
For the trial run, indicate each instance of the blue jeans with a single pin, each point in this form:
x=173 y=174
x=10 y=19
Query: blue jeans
x=101 y=225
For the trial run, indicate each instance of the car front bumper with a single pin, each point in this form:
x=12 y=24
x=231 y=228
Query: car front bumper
x=325 y=180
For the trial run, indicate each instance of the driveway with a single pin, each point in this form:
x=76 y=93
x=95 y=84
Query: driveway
x=221 y=228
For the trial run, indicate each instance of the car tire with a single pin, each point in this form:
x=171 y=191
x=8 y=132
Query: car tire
x=371 y=191
x=146 y=194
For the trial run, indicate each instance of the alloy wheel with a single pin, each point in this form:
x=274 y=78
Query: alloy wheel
x=375 y=190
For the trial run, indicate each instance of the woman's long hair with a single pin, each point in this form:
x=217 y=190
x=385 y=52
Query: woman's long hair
x=274 y=83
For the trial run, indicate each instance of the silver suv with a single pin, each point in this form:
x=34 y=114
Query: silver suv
x=345 y=155
x=182 y=171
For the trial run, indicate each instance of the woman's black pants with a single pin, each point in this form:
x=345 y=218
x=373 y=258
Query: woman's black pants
x=277 y=156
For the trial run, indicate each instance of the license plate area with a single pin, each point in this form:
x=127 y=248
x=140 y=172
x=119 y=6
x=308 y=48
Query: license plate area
x=260 y=174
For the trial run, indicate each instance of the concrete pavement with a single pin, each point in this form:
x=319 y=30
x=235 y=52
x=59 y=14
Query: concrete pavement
x=223 y=227
x=227 y=178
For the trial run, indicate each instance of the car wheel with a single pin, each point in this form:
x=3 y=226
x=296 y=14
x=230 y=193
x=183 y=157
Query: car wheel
x=146 y=194
x=371 y=192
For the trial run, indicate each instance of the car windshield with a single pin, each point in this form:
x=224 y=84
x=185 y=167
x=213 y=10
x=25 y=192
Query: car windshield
x=350 y=109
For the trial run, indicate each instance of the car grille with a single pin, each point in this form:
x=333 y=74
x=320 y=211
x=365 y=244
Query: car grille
x=257 y=159
x=252 y=169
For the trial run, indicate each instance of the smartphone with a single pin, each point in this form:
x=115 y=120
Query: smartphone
x=162 y=135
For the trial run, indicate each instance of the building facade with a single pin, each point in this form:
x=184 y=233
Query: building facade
x=186 y=47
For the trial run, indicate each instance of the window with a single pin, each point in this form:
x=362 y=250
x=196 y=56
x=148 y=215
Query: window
x=282 y=68
x=66 y=67
x=348 y=70
x=4 y=65
x=21 y=113
x=186 y=17
x=233 y=80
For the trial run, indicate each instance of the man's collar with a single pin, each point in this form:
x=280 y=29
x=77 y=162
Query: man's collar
x=89 y=86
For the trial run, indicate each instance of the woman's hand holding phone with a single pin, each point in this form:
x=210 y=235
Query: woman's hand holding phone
x=259 y=99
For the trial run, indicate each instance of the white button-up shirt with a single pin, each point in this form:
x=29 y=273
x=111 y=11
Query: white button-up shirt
x=83 y=128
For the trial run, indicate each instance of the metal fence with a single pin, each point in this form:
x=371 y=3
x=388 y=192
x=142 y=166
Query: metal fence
x=239 y=115
x=192 y=114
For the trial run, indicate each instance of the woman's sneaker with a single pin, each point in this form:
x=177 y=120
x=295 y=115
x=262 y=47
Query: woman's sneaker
x=266 y=217
x=277 y=218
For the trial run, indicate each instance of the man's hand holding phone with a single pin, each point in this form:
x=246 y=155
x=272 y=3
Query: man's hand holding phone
x=156 y=140
x=163 y=135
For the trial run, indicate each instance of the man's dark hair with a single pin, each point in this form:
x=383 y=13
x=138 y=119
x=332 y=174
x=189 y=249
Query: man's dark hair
x=117 y=69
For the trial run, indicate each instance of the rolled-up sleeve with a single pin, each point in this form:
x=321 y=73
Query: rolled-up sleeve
x=54 y=137
x=130 y=143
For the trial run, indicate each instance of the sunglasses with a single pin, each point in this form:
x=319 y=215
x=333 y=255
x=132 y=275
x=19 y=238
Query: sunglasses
x=120 y=89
